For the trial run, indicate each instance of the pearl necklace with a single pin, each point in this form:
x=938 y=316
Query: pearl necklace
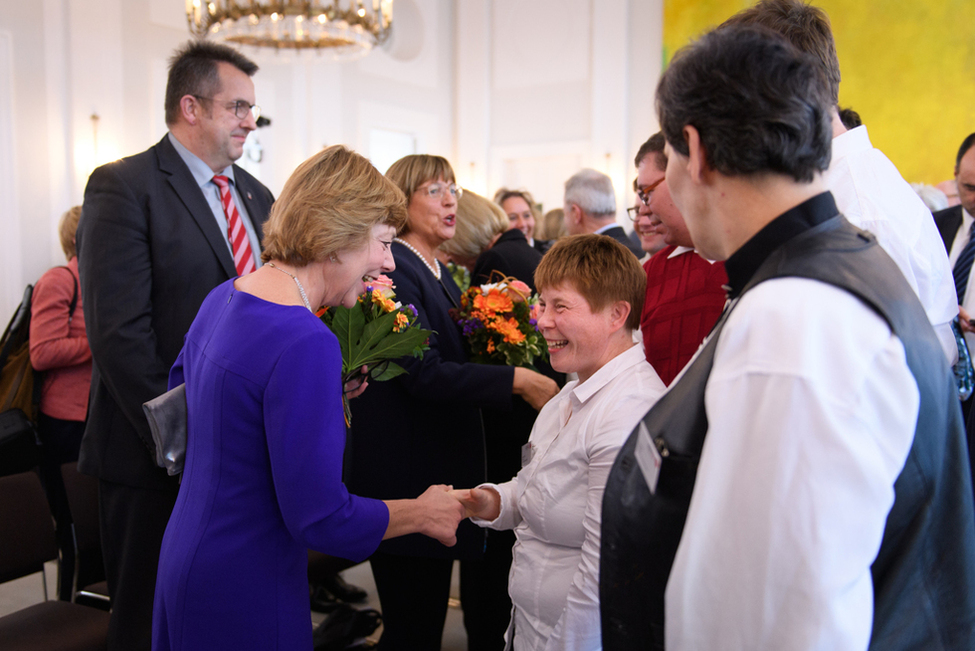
x=435 y=270
x=301 y=290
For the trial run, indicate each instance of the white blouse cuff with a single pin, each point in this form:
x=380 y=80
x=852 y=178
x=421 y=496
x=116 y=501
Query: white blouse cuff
x=493 y=524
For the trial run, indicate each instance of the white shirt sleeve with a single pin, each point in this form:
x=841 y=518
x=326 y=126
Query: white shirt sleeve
x=811 y=410
x=509 y=517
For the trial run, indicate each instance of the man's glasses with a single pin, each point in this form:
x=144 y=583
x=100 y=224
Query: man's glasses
x=357 y=379
x=633 y=213
x=646 y=193
x=240 y=108
x=437 y=190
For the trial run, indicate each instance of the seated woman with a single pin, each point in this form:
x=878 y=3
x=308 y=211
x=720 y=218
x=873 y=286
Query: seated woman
x=266 y=428
x=59 y=348
x=591 y=290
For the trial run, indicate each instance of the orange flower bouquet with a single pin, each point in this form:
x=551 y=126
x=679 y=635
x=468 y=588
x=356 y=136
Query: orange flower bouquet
x=499 y=322
x=377 y=330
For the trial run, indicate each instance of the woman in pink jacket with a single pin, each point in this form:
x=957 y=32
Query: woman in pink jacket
x=59 y=350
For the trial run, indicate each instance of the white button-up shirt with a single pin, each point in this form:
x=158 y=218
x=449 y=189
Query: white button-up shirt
x=872 y=195
x=555 y=503
x=811 y=412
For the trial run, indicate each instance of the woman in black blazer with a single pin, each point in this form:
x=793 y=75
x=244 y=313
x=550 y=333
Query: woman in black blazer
x=424 y=426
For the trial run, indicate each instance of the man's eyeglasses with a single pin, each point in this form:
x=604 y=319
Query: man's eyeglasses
x=633 y=213
x=240 y=108
x=646 y=193
x=437 y=190
x=358 y=378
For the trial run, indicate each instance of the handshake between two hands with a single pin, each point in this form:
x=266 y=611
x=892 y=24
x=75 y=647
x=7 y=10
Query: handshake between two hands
x=443 y=508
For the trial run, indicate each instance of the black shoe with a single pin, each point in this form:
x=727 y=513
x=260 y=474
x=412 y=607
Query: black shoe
x=346 y=592
x=322 y=600
x=346 y=626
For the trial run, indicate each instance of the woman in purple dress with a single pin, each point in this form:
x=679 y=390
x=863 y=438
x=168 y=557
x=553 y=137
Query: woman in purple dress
x=263 y=474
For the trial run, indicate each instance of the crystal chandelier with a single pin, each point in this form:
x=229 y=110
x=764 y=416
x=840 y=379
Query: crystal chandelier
x=345 y=29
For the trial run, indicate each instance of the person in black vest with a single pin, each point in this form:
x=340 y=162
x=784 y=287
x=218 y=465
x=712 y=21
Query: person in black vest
x=804 y=483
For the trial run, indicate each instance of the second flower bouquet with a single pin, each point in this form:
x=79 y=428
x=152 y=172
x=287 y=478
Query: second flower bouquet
x=499 y=322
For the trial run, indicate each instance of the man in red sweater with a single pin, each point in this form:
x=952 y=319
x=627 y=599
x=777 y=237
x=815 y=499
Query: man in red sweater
x=684 y=291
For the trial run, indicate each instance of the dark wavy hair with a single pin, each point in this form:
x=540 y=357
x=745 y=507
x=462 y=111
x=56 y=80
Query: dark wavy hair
x=966 y=144
x=758 y=103
x=805 y=26
x=653 y=145
x=193 y=71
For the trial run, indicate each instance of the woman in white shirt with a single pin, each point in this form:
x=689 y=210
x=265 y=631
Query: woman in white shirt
x=591 y=294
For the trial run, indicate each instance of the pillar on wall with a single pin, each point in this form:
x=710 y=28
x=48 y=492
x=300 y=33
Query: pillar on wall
x=473 y=93
x=610 y=97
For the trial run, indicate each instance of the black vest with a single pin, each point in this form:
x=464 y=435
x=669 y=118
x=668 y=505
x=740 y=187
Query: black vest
x=924 y=574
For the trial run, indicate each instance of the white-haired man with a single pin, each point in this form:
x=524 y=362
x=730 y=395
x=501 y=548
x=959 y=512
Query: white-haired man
x=590 y=207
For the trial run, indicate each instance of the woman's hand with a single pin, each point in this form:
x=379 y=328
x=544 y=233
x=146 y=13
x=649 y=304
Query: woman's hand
x=435 y=513
x=534 y=387
x=442 y=514
x=356 y=386
x=965 y=320
x=483 y=503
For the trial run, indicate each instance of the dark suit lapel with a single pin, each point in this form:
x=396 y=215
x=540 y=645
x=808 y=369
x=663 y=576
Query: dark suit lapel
x=183 y=183
x=954 y=224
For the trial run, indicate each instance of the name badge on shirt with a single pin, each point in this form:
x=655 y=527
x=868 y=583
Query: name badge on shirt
x=526 y=454
x=647 y=457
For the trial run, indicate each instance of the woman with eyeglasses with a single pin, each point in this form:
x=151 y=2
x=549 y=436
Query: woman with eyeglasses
x=425 y=426
x=266 y=428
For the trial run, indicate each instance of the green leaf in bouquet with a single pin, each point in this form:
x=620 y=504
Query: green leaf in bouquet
x=401 y=344
x=363 y=351
x=374 y=331
x=392 y=370
x=348 y=326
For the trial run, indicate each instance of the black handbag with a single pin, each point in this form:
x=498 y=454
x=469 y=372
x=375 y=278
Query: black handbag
x=20 y=447
x=167 y=421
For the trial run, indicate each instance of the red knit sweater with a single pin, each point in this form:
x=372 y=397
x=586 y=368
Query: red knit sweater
x=684 y=300
x=59 y=347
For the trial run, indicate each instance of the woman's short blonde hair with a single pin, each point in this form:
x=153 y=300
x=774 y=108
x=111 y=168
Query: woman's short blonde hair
x=329 y=205
x=598 y=267
x=410 y=172
x=552 y=226
x=67 y=228
x=478 y=222
x=503 y=194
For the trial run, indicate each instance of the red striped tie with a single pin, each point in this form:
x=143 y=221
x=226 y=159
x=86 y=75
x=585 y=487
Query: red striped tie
x=236 y=233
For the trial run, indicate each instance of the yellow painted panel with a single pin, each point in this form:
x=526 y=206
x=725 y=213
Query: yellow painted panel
x=908 y=69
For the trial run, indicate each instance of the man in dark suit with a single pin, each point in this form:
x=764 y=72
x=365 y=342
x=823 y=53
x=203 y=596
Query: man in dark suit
x=955 y=226
x=590 y=207
x=153 y=241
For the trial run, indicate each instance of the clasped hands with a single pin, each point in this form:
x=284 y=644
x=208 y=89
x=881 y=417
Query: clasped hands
x=445 y=507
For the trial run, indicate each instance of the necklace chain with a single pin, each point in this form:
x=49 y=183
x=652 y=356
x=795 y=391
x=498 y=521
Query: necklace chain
x=435 y=270
x=301 y=290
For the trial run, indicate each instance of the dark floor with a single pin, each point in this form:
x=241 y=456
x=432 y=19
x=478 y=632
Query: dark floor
x=23 y=592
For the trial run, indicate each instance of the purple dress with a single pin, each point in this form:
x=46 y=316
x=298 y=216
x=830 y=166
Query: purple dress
x=262 y=482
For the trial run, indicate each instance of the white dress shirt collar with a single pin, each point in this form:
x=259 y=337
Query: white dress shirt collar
x=851 y=142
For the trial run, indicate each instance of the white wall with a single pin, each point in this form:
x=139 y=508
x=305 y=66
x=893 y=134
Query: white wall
x=546 y=87
x=515 y=92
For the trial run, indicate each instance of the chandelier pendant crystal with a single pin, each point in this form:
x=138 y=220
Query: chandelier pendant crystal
x=346 y=30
